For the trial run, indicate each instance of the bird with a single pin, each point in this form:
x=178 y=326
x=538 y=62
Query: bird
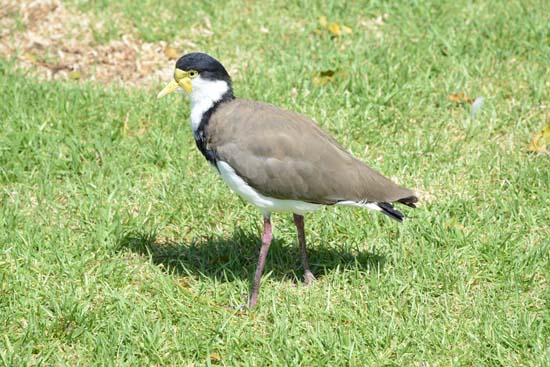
x=276 y=159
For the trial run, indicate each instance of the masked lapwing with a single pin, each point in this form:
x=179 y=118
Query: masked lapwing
x=278 y=160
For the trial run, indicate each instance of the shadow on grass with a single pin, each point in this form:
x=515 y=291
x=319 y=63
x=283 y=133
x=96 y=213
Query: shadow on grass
x=236 y=257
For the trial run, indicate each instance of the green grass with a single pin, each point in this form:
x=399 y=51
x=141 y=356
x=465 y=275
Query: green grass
x=120 y=246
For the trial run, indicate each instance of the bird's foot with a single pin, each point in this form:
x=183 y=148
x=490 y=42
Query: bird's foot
x=308 y=278
x=240 y=308
x=251 y=301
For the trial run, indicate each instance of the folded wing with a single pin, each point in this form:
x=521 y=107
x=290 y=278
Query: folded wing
x=285 y=155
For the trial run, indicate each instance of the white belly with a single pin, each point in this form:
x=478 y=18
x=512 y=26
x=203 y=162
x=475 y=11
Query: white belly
x=265 y=203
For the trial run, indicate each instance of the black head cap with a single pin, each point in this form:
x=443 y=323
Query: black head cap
x=207 y=66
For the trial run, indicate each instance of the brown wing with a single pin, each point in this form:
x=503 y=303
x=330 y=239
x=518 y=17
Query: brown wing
x=285 y=155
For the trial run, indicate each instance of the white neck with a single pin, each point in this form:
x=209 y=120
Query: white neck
x=205 y=93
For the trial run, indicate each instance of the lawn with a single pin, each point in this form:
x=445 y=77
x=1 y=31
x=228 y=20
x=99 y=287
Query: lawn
x=120 y=246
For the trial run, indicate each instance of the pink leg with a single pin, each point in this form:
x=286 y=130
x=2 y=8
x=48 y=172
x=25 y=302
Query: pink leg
x=299 y=222
x=266 y=241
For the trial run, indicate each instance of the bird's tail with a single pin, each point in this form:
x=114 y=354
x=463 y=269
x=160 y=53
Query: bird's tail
x=390 y=211
x=393 y=213
x=409 y=201
x=383 y=206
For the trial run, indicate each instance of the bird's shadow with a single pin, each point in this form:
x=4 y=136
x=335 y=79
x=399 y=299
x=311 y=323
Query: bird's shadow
x=235 y=257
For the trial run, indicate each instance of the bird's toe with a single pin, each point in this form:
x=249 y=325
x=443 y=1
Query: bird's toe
x=308 y=278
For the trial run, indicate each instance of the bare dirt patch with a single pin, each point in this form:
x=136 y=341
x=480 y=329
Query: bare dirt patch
x=53 y=42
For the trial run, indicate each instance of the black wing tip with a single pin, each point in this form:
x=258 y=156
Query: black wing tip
x=390 y=211
x=393 y=213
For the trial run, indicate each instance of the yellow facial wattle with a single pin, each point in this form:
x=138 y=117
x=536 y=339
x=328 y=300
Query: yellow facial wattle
x=182 y=79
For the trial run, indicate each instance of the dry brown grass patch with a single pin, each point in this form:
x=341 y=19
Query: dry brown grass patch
x=53 y=42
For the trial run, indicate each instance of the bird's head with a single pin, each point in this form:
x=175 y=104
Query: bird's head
x=201 y=76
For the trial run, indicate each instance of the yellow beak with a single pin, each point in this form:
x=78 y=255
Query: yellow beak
x=184 y=82
x=170 y=88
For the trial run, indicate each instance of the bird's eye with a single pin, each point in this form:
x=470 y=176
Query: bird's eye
x=193 y=74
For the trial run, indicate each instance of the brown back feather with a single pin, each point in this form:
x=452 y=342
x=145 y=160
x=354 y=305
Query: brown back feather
x=285 y=155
